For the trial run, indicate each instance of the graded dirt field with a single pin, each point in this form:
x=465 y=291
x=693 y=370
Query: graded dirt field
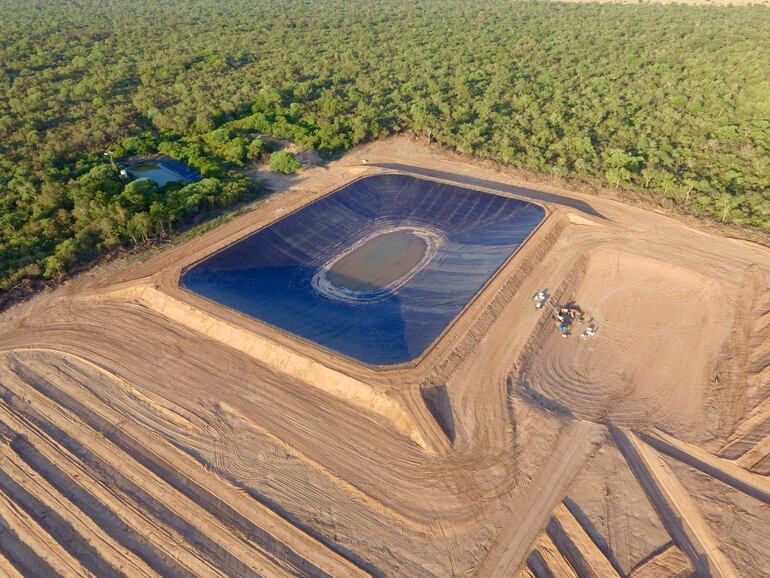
x=147 y=431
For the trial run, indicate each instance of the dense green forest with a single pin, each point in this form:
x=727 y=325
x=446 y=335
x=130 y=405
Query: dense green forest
x=671 y=99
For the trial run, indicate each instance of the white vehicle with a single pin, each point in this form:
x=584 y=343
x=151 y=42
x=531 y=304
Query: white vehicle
x=589 y=332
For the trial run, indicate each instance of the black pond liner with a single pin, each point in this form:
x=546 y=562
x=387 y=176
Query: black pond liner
x=268 y=275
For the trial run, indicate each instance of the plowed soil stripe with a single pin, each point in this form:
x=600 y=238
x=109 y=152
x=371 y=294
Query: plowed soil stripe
x=111 y=551
x=108 y=511
x=672 y=563
x=32 y=550
x=756 y=454
x=188 y=520
x=538 y=565
x=554 y=558
x=56 y=526
x=724 y=470
x=7 y=567
x=190 y=480
x=756 y=419
x=572 y=539
x=676 y=508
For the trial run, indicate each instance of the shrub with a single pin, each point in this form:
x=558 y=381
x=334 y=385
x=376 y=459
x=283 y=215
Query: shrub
x=283 y=162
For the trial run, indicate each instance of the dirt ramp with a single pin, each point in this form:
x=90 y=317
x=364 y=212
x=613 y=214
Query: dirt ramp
x=280 y=358
x=660 y=326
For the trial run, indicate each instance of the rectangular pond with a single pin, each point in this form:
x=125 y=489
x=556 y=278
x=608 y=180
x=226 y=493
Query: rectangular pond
x=163 y=170
x=375 y=270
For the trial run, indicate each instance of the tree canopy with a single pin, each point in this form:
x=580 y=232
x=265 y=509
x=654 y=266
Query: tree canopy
x=671 y=99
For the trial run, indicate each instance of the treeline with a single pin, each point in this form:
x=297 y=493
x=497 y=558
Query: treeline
x=674 y=100
x=70 y=222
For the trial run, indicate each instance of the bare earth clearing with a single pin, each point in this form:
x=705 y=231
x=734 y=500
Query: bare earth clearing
x=146 y=431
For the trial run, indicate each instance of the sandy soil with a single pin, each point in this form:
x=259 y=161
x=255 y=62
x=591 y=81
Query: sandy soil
x=145 y=431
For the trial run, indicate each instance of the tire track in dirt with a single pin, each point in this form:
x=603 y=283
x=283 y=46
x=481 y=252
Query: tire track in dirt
x=731 y=390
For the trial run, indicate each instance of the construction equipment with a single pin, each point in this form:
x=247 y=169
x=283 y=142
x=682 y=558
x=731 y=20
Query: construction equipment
x=567 y=315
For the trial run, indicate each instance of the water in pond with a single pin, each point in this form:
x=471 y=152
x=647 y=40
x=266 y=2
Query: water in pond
x=156 y=172
x=379 y=262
